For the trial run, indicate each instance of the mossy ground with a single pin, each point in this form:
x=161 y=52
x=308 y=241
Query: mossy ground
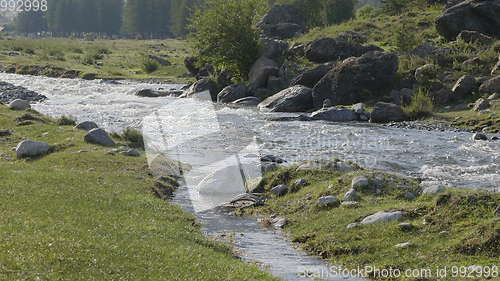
x=455 y=228
x=119 y=58
x=92 y=216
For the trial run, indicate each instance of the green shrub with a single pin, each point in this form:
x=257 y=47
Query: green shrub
x=150 y=66
x=395 y=7
x=421 y=105
x=406 y=39
x=224 y=34
x=368 y=12
x=88 y=59
x=66 y=121
x=133 y=138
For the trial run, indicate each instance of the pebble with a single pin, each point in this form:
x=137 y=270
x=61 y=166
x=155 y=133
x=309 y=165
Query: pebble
x=404 y=245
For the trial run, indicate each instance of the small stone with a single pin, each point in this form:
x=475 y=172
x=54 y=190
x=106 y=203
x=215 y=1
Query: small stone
x=351 y=195
x=404 y=245
x=350 y=204
x=279 y=190
x=360 y=183
x=480 y=137
x=406 y=226
x=86 y=126
x=328 y=201
x=19 y=104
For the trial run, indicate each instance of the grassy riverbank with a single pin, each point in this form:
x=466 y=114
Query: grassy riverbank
x=104 y=58
x=92 y=216
x=453 y=228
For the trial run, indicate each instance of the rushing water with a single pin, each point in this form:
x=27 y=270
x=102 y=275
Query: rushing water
x=451 y=158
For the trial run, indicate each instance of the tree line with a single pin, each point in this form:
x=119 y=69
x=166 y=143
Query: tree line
x=147 y=18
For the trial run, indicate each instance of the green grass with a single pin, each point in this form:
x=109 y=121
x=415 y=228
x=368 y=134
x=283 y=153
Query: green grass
x=91 y=216
x=456 y=228
x=106 y=58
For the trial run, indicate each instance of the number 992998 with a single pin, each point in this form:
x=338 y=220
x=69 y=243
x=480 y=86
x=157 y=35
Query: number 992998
x=23 y=5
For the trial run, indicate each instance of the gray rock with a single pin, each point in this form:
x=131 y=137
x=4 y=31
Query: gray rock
x=360 y=183
x=387 y=112
x=352 y=195
x=19 y=105
x=100 y=137
x=204 y=89
x=328 y=201
x=491 y=86
x=350 y=204
x=311 y=77
x=131 y=153
x=301 y=182
x=410 y=196
x=474 y=37
x=294 y=99
x=29 y=148
x=280 y=190
x=335 y=115
x=269 y=167
x=248 y=101
x=475 y=15
x=260 y=72
x=382 y=216
x=332 y=49
x=480 y=136
x=464 y=87
x=150 y=93
x=233 y=93
x=433 y=189
x=350 y=82
x=481 y=104
x=9 y=93
x=352 y=225
x=272 y=48
x=86 y=126
x=404 y=245
x=406 y=226
x=191 y=65
x=5 y=133
x=282 y=22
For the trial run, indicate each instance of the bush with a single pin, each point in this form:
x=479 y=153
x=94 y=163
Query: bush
x=66 y=121
x=150 y=66
x=88 y=59
x=368 y=12
x=394 y=7
x=406 y=39
x=133 y=138
x=224 y=34
x=421 y=105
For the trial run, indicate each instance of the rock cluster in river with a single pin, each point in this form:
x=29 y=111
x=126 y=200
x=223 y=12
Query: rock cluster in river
x=9 y=93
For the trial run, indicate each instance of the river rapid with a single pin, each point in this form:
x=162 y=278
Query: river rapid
x=448 y=158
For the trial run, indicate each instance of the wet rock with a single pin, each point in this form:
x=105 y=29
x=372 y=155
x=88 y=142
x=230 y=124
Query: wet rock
x=474 y=15
x=474 y=37
x=293 y=99
x=311 y=77
x=481 y=104
x=353 y=80
x=150 y=93
x=332 y=49
x=382 y=216
x=233 y=93
x=404 y=245
x=29 y=148
x=359 y=108
x=280 y=190
x=335 y=115
x=491 y=86
x=248 y=101
x=19 y=105
x=328 y=201
x=86 y=126
x=387 y=112
x=464 y=87
x=100 y=137
x=204 y=89
x=260 y=72
x=427 y=50
x=352 y=195
x=480 y=137
x=275 y=84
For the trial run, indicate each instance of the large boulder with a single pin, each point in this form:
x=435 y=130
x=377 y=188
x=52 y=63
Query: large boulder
x=29 y=148
x=272 y=48
x=357 y=79
x=282 y=22
x=491 y=86
x=19 y=105
x=472 y=15
x=260 y=72
x=293 y=99
x=202 y=86
x=464 y=87
x=232 y=93
x=387 y=112
x=332 y=49
x=333 y=114
x=248 y=101
x=100 y=137
x=311 y=77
